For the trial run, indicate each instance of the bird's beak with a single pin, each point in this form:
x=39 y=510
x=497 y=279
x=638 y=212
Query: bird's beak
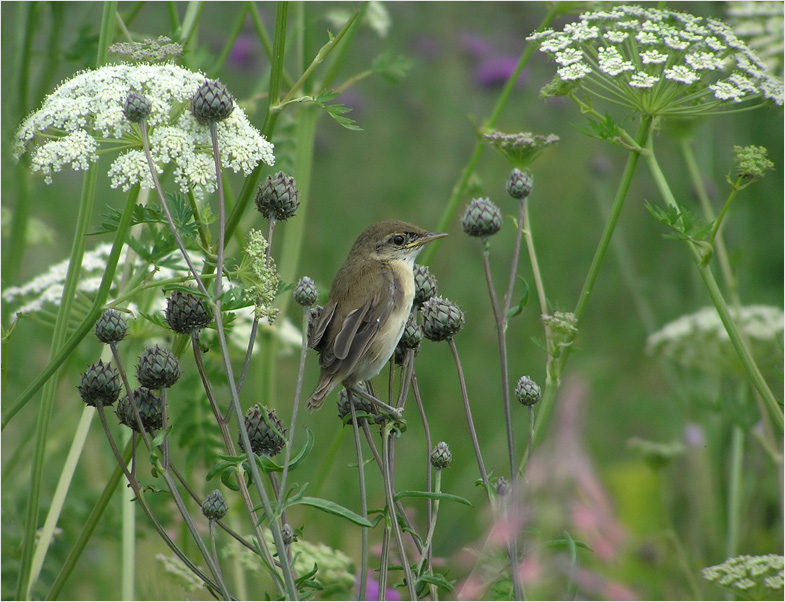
x=425 y=238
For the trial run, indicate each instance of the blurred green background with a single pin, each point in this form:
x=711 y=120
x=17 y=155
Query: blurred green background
x=417 y=135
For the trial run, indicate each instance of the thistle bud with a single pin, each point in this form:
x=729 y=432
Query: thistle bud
x=527 y=392
x=100 y=385
x=410 y=339
x=481 y=218
x=360 y=405
x=187 y=313
x=305 y=292
x=150 y=410
x=111 y=327
x=278 y=197
x=136 y=107
x=157 y=368
x=214 y=506
x=266 y=436
x=441 y=456
x=441 y=319
x=424 y=284
x=519 y=184
x=212 y=102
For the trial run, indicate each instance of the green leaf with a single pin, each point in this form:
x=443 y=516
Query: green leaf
x=602 y=129
x=332 y=508
x=390 y=67
x=439 y=580
x=516 y=309
x=685 y=224
x=568 y=543
x=433 y=496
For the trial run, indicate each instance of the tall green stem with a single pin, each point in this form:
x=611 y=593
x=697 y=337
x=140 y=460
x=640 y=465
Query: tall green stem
x=734 y=492
x=24 y=583
x=553 y=375
x=753 y=372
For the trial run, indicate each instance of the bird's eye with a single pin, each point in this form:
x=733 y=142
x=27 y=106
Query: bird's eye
x=398 y=240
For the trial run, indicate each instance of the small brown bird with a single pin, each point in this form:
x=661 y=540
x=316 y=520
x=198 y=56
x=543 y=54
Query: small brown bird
x=368 y=305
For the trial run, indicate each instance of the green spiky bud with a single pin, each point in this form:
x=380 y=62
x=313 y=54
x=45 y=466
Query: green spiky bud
x=212 y=102
x=150 y=410
x=278 y=197
x=410 y=339
x=527 y=391
x=136 y=107
x=266 y=435
x=100 y=385
x=158 y=368
x=360 y=405
x=520 y=184
x=424 y=284
x=187 y=313
x=441 y=319
x=305 y=292
x=111 y=327
x=214 y=506
x=481 y=218
x=441 y=456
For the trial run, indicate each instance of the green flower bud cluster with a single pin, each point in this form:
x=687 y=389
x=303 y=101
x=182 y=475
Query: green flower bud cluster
x=150 y=409
x=520 y=184
x=214 y=506
x=157 y=368
x=212 y=102
x=527 y=392
x=278 y=197
x=187 y=313
x=265 y=431
x=136 y=107
x=305 y=292
x=361 y=404
x=441 y=319
x=111 y=327
x=424 y=284
x=482 y=218
x=441 y=457
x=100 y=384
x=410 y=339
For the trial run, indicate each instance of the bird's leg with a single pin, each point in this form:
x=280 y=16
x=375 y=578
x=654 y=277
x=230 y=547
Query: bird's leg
x=395 y=413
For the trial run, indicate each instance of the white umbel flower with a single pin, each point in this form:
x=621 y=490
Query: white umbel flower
x=657 y=62
x=84 y=118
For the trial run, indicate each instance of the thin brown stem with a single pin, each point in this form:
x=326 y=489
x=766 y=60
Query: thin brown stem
x=468 y=411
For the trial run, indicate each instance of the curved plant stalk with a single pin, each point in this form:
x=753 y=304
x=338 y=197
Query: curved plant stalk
x=89 y=527
x=24 y=583
x=742 y=350
x=363 y=501
x=556 y=366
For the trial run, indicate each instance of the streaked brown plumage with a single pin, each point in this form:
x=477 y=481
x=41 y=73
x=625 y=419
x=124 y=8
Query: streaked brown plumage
x=367 y=307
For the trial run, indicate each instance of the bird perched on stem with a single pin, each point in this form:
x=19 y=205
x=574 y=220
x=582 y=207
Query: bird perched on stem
x=368 y=305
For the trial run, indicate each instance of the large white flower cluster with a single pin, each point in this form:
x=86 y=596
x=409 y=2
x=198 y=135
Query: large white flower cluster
x=659 y=62
x=84 y=118
x=752 y=577
x=700 y=341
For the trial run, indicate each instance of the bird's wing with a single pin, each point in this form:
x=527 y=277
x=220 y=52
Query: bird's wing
x=321 y=325
x=361 y=324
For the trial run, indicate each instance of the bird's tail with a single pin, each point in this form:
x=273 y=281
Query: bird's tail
x=323 y=389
